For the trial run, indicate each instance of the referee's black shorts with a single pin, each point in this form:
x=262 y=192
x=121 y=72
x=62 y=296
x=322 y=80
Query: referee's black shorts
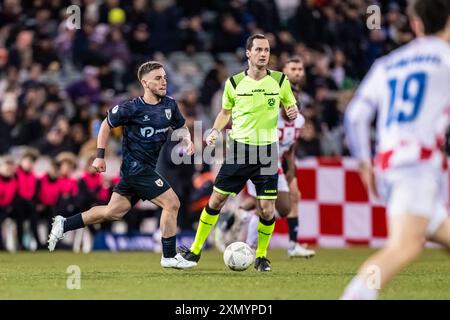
x=146 y=185
x=244 y=162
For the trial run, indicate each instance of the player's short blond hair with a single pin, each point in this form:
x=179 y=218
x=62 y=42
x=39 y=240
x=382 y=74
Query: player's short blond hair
x=147 y=67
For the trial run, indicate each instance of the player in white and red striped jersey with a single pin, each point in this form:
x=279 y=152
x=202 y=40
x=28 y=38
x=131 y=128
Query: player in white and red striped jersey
x=409 y=89
x=288 y=192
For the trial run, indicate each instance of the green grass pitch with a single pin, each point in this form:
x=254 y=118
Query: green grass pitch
x=136 y=275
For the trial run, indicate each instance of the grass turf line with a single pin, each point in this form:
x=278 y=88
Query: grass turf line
x=138 y=275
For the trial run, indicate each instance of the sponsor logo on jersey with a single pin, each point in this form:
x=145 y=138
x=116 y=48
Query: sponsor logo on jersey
x=147 y=132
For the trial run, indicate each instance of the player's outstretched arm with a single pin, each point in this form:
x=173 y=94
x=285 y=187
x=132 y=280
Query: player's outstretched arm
x=99 y=163
x=358 y=117
x=221 y=121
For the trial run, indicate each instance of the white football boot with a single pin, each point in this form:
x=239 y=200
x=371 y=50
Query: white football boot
x=56 y=233
x=297 y=251
x=177 y=262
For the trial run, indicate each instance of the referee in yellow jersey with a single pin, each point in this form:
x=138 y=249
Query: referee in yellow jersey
x=252 y=100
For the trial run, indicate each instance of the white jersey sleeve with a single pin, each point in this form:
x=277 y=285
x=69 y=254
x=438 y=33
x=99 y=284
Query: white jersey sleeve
x=361 y=111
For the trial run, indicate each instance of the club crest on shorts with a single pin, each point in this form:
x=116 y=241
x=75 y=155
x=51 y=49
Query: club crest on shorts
x=159 y=183
x=168 y=114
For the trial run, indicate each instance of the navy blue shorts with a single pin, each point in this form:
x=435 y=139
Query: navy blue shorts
x=244 y=163
x=146 y=186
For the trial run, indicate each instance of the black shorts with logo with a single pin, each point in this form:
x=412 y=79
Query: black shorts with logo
x=146 y=185
x=244 y=162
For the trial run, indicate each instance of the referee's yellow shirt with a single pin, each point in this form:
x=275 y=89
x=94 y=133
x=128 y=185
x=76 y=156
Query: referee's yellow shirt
x=254 y=106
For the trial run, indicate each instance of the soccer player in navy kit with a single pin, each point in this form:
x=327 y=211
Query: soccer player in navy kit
x=146 y=122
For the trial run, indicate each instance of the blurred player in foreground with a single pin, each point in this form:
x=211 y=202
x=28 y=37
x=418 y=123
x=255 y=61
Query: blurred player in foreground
x=409 y=89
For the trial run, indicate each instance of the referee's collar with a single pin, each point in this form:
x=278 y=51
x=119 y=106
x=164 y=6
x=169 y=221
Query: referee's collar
x=246 y=72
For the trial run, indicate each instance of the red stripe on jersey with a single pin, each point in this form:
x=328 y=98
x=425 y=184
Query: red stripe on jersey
x=382 y=160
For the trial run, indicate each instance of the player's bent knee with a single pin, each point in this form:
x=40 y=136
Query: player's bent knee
x=267 y=215
x=267 y=210
x=115 y=212
x=172 y=206
x=217 y=201
x=295 y=196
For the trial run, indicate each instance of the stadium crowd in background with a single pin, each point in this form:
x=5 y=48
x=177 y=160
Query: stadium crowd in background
x=56 y=83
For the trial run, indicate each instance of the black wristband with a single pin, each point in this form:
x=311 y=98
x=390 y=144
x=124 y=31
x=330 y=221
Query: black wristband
x=100 y=153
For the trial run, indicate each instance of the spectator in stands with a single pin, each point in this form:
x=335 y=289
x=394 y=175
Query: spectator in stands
x=47 y=194
x=93 y=189
x=10 y=13
x=308 y=144
x=106 y=9
x=44 y=52
x=48 y=115
x=213 y=81
x=351 y=37
x=138 y=13
x=29 y=129
x=193 y=37
x=8 y=190
x=44 y=23
x=229 y=36
x=53 y=143
x=68 y=185
x=266 y=14
x=26 y=197
x=306 y=24
x=140 y=42
x=77 y=137
x=21 y=53
x=87 y=89
x=33 y=76
x=10 y=82
x=163 y=23
x=8 y=122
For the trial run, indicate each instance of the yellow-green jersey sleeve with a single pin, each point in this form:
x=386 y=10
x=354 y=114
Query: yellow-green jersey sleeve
x=287 y=97
x=228 y=100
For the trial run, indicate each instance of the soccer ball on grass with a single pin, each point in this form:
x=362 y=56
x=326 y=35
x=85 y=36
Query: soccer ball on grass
x=238 y=256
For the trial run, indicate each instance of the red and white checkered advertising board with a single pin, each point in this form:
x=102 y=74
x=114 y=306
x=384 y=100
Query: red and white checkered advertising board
x=335 y=209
